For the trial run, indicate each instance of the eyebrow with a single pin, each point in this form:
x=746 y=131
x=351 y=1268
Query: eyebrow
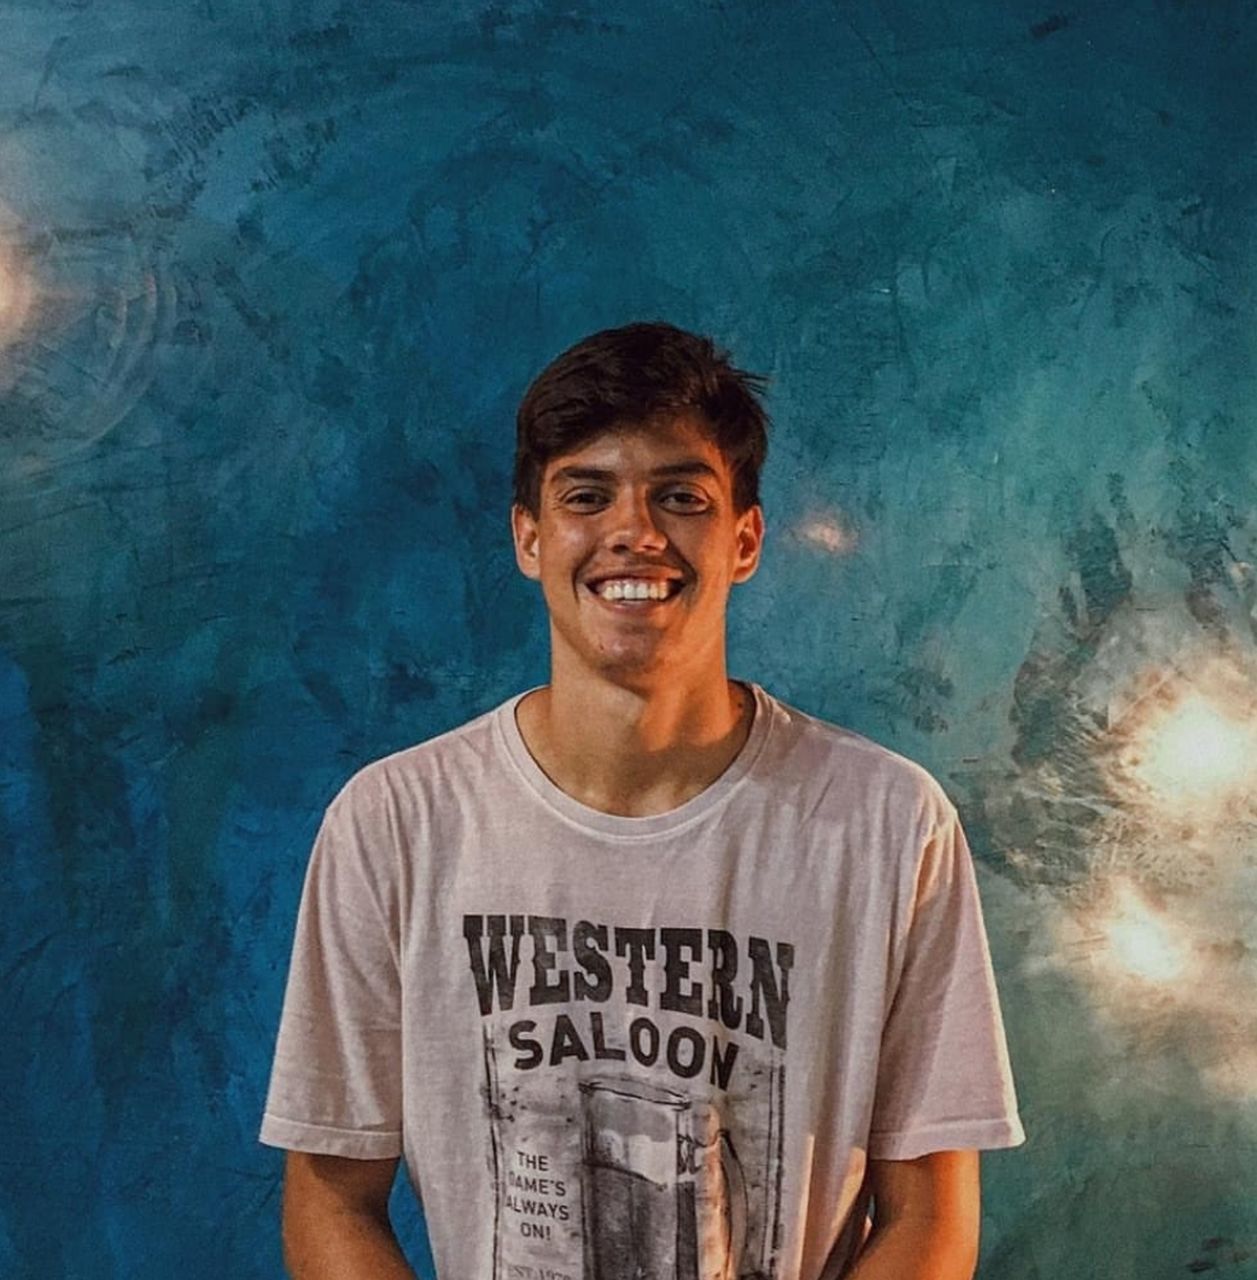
x=691 y=467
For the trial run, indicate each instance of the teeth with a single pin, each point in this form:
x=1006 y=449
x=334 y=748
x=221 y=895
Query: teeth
x=633 y=589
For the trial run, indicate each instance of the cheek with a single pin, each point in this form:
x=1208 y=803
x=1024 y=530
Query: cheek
x=560 y=577
x=564 y=555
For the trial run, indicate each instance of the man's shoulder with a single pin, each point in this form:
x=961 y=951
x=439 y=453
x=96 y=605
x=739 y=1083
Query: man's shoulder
x=459 y=752
x=820 y=753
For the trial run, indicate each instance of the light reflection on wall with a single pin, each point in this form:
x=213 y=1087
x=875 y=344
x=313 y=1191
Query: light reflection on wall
x=1161 y=926
x=829 y=533
x=1182 y=739
x=87 y=313
x=1142 y=941
x=1196 y=753
x=16 y=296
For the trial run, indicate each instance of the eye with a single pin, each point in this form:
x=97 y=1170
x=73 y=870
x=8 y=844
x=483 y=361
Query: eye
x=583 y=498
x=685 y=499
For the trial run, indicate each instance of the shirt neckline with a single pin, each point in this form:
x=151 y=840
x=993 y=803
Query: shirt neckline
x=619 y=826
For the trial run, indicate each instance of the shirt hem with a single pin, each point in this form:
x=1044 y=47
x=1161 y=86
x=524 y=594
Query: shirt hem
x=982 y=1136
x=317 y=1139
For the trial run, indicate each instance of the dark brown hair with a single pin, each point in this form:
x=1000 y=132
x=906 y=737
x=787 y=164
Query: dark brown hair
x=630 y=376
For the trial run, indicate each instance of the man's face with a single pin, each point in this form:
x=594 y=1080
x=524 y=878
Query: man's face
x=647 y=509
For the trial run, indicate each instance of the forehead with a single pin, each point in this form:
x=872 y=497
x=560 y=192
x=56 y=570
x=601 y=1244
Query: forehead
x=676 y=446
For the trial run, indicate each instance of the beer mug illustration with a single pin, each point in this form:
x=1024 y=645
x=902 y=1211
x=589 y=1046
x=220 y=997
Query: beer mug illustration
x=664 y=1194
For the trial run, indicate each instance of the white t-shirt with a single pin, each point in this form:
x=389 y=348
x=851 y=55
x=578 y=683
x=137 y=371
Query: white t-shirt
x=613 y=1047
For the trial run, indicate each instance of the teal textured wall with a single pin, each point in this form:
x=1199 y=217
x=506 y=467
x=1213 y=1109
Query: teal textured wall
x=272 y=279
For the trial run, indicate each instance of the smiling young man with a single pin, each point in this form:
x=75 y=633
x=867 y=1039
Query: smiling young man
x=645 y=972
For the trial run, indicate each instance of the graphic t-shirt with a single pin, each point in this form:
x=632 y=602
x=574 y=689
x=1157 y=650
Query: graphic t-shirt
x=652 y=1048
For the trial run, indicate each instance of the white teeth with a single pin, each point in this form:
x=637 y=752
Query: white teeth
x=632 y=589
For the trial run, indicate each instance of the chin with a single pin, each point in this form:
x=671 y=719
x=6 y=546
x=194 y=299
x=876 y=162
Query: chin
x=624 y=666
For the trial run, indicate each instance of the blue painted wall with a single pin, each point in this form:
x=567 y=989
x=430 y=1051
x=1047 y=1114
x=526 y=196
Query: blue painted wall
x=272 y=279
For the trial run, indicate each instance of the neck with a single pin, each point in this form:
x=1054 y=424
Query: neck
x=635 y=751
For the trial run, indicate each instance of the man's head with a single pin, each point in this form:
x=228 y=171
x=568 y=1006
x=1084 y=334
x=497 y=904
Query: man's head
x=631 y=376
x=637 y=506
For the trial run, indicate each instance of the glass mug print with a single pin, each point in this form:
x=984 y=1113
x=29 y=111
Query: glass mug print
x=663 y=1193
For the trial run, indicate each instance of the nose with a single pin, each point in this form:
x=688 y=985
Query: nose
x=632 y=524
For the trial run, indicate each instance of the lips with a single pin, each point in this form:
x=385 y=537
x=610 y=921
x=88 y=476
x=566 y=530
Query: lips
x=640 y=575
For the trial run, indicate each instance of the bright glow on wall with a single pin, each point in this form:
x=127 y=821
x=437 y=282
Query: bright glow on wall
x=1141 y=941
x=1186 y=742
x=828 y=534
x=1198 y=750
x=1155 y=792
x=16 y=291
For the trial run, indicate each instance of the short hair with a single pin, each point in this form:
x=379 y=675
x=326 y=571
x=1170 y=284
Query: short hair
x=637 y=374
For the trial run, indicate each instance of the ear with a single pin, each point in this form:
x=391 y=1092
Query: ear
x=524 y=534
x=750 y=542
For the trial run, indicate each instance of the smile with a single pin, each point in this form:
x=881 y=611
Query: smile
x=635 y=593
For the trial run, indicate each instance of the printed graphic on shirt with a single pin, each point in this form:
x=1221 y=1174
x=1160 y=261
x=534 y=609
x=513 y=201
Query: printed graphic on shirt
x=635 y=1088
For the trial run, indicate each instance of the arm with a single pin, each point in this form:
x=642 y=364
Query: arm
x=335 y=1219
x=925 y=1220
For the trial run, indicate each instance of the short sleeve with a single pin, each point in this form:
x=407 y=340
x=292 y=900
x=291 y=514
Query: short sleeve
x=944 y=1081
x=335 y=1086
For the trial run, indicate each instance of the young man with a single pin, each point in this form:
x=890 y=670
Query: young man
x=646 y=973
